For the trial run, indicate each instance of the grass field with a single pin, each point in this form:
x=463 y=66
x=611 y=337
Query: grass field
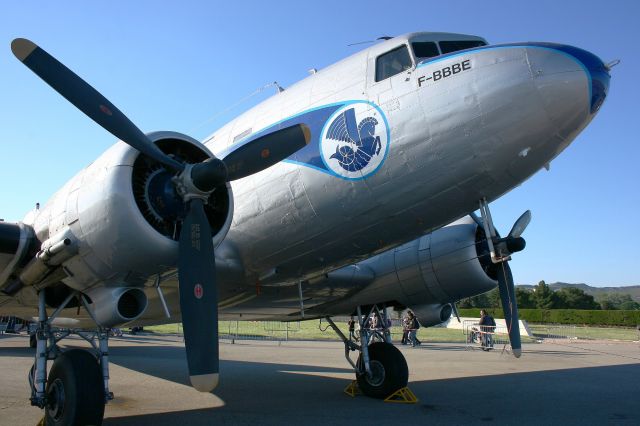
x=317 y=330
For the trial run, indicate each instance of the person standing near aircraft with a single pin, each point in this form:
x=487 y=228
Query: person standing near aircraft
x=374 y=321
x=487 y=327
x=405 y=329
x=352 y=327
x=414 y=325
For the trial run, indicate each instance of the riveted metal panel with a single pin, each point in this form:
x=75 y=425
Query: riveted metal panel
x=406 y=261
x=426 y=268
x=72 y=208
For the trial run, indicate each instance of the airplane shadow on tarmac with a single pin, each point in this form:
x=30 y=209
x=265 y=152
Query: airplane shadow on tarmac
x=274 y=394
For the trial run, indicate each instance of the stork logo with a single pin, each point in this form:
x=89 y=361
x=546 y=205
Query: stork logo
x=354 y=144
x=198 y=291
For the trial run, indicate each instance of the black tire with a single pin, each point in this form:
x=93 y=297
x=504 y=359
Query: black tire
x=33 y=341
x=389 y=371
x=75 y=390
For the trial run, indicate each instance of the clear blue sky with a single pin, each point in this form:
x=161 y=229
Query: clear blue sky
x=172 y=67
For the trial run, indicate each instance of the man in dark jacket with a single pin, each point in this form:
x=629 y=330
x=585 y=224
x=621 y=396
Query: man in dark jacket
x=414 y=325
x=487 y=328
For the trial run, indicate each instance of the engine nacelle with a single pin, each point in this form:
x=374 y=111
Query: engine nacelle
x=126 y=216
x=435 y=270
x=451 y=263
x=118 y=305
x=434 y=314
x=17 y=246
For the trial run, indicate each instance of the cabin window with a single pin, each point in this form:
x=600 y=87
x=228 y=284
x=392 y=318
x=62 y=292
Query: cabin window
x=425 y=49
x=392 y=63
x=454 y=46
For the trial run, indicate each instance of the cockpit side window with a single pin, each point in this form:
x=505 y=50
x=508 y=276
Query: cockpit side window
x=454 y=46
x=392 y=62
x=425 y=49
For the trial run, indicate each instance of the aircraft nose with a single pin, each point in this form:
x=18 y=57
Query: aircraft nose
x=597 y=72
x=571 y=83
x=565 y=66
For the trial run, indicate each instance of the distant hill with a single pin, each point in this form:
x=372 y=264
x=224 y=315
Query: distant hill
x=633 y=290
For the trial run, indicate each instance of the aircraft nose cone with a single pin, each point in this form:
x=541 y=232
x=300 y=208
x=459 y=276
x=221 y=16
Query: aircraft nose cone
x=598 y=75
x=572 y=84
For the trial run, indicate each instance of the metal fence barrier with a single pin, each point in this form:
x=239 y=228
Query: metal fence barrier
x=557 y=331
x=484 y=337
x=259 y=330
x=284 y=331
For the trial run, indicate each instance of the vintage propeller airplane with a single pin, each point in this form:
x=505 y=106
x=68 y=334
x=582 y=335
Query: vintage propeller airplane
x=347 y=193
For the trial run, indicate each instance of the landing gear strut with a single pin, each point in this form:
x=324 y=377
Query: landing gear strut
x=381 y=369
x=77 y=386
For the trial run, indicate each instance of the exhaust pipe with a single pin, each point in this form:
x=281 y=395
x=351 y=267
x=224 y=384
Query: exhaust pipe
x=114 y=306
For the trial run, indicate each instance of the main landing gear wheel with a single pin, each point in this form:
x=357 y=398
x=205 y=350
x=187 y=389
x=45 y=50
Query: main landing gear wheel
x=389 y=371
x=75 y=390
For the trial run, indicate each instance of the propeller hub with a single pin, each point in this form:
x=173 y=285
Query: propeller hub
x=515 y=245
x=199 y=180
x=209 y=174
x=505 y=247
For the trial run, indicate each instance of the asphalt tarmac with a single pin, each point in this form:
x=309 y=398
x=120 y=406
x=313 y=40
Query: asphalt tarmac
x=295 y=383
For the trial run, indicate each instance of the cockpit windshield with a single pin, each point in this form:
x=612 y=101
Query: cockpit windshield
x=425 y=49
x=428 y=49
x=454 y=46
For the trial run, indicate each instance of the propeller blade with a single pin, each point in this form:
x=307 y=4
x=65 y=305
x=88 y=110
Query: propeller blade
x=520 y=225
x=199 y=298
x=265 y=151
x=87 y=99
x=510 y=307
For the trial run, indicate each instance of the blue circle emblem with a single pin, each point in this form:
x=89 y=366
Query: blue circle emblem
x=355 y=140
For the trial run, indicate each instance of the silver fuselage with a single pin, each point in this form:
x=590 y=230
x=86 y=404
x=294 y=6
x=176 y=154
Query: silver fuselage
x=452 y=138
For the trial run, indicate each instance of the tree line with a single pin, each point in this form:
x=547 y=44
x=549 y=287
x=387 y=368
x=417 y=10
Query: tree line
x=544 y=297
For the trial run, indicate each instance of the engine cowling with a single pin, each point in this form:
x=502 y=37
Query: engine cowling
x=125 y=214
x=450 y=262
x=17 y=246
x=429 y=273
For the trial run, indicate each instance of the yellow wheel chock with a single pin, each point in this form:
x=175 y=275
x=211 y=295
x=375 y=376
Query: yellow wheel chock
x=353 y=389
x=402 y=396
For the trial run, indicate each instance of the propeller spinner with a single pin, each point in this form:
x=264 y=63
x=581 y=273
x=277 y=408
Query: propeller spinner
x=194 y=183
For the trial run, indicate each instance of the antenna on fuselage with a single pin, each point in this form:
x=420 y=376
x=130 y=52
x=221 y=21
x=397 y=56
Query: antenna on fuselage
x=384 y=38
x=259 y=90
